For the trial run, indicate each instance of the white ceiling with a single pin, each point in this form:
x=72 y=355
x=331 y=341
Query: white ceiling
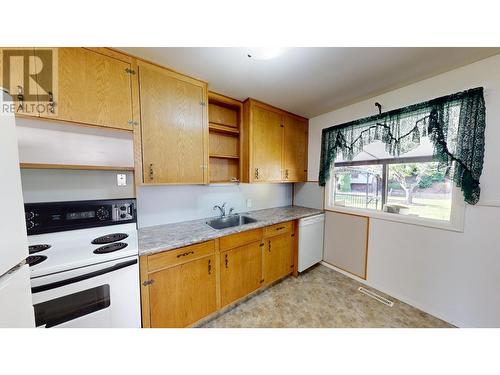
x=311 y=81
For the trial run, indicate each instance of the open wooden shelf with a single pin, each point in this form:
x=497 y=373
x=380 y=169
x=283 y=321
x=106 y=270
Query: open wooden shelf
x=224 y=156
x=75 y=166
x=225 y=117
x=222 y=128
x=224 y=169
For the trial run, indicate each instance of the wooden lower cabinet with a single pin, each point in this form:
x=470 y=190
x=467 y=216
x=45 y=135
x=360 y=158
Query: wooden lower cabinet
x=277 y=258
x=182 y=286
x=184 y=294
x=241 y=272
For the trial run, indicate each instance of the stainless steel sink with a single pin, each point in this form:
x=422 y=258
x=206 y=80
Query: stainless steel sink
x=230 y=221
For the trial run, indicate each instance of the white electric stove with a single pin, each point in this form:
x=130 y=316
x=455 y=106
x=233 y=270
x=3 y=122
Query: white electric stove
x=84 y=263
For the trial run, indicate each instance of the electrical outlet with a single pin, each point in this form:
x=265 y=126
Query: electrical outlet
x=121 y=179
x=249 y=203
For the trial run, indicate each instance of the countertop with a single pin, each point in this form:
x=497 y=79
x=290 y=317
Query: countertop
x=171 y=236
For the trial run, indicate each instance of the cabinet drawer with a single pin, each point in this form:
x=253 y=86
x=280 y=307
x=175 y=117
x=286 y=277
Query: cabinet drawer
x=278 y=229
x=240 y=239
x=179 y=256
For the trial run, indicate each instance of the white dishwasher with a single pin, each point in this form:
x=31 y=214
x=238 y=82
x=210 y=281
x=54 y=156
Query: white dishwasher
x=311 y=241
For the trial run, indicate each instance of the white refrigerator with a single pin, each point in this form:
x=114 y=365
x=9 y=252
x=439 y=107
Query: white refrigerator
x=16 y=307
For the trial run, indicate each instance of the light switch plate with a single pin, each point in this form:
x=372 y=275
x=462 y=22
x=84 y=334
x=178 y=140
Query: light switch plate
x=249 y=203
x=121 y=179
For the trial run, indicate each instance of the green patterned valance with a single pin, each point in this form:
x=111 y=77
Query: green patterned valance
x=454 y=123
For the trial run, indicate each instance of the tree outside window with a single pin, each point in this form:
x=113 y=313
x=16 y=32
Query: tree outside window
x=409 y=186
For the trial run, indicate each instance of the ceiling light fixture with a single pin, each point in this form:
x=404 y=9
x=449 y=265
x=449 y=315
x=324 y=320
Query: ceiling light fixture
x=265 y=53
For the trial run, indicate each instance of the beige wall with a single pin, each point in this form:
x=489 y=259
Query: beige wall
x=451 y=275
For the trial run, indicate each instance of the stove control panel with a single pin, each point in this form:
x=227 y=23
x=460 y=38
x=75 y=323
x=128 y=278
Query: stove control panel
x=62 y=216
x=122 y=212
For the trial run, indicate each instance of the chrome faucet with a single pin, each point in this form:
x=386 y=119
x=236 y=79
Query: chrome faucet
x=221 y=208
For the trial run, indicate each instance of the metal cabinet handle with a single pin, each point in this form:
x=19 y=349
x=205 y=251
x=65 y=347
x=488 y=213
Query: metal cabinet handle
x=256 y=173
x=87 y=276
x=52 y=103
x=286 y=174
x=185 y=254
x=20 y=97
x=209 y=266
x=280 y=228
x=226 y=261
x=269 y=246
x=151 y=172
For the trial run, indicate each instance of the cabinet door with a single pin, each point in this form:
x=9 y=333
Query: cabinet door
x=295 y=149
x=267 y=145
x=92 y=88
x=241 y=272
x=18 y=75
x=182 y=295
x=174 y=127
x=277 y=258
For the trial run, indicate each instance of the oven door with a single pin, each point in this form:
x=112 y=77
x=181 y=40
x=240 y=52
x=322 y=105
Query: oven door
x=99 y=296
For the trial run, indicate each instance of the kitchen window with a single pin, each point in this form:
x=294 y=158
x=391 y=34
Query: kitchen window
x=358 y=186
x=406 y=143
x=413 y=190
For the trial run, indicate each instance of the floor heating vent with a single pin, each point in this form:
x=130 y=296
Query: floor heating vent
x=374 y=295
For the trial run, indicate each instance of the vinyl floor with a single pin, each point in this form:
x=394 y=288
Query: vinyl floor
x=321 y=298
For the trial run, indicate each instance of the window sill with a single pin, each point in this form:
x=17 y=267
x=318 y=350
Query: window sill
x=455 y=225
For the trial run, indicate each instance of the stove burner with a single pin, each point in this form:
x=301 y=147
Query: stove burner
x=109 y=238
x=35 y=259
x=37 y=248
x=110 y=248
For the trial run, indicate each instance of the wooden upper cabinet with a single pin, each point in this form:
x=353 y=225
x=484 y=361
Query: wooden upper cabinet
x=22 y=88
x=174 y=122
x=92 y=88
x=295 y=149
x=267 y=143
x=241 y=272
x=180 y=296
x=274 y=144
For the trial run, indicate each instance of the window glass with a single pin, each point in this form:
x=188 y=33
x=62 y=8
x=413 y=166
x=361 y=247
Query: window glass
x=419 y=189
x=358 y=186
x=413 y=187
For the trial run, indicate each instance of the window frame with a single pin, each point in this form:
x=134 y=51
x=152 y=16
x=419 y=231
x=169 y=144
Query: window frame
x=456 y=222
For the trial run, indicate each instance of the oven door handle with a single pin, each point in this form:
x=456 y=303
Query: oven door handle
x=72 y=280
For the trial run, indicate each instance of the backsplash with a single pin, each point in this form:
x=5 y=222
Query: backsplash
x=308 y=194
x=46 y=142
x=46 y=185
x=169 y=204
